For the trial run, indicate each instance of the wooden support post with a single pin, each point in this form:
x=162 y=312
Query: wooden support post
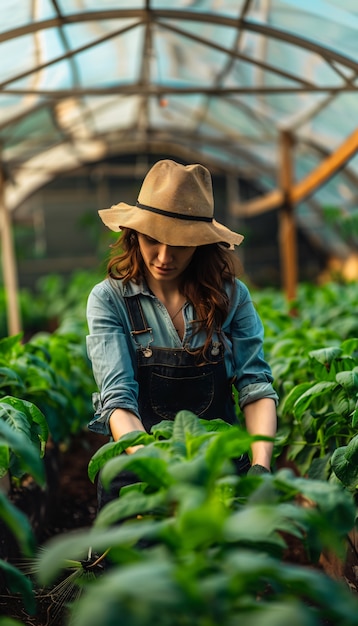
x=287 y=224
x=9 y=268
x=308 y=185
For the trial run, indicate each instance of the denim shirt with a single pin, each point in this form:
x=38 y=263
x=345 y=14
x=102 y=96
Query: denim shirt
x=112 y=349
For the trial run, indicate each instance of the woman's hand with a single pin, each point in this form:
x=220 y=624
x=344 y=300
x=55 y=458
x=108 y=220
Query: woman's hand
x=122 y=422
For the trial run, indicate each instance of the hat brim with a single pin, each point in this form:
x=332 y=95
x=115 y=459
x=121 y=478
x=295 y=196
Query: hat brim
x=169 y=230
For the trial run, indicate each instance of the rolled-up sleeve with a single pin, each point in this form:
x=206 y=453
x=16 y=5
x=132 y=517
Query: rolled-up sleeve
x=112 y=359
x=253 y=376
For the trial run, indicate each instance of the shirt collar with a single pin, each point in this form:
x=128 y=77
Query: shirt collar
x=134 y=289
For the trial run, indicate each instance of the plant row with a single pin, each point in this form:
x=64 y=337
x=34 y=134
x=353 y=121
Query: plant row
x=194 y=543
x=45 y=399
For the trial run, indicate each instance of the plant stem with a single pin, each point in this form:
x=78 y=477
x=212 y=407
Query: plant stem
x=321 y=442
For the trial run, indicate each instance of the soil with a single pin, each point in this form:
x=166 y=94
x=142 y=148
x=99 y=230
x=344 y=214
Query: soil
x=71 y=503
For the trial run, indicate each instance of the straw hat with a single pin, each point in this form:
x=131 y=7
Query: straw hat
x=175 y=206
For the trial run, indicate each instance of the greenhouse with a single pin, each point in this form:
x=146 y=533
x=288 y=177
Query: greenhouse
x=262 y=93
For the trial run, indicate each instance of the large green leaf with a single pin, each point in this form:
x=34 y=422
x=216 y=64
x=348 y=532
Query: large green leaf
x=336 y=506
x=113 y=449
x=191 y=511
x=186 y=423
x=288 y=611
x=258 y=525
x=8 y=621
x=230 y=444
x=331 y=600
x=290 y=399
x=27 y=454
x=349 y=346
x=342 y=404
x=194 y=471
x=215 y=425
x=18 y=583
x=315 y=391
x=348 y=380
x=160 y=599
x=4 y=458
x=163 y=430
x=345 y=464
x=74 y=545
x=9 y=345
x=10 y=378
x=147 y=463
x=130 y=505
x=19 y=525
x=36 y=421
x=326 y=355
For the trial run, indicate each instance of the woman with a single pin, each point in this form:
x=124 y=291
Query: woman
x=171 y=327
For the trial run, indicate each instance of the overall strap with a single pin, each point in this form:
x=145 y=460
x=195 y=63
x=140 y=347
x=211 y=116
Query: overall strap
x=136 y=315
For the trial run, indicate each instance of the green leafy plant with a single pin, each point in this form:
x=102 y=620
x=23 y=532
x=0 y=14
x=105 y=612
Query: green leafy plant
x=311 y=345
x=321 y=411
x=45 y=387
x=16 y=581
x=65 y=393
x=8 y=621
x=193 y=543
x=52 y=371
x=22 y=436
x=344 y=464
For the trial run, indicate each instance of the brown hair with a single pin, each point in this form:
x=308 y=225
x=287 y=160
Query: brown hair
x=202 y=281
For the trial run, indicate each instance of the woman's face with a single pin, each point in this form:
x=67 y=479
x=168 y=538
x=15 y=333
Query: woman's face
x=164 y=263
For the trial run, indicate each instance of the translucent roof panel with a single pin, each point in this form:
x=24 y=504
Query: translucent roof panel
x=220 y=80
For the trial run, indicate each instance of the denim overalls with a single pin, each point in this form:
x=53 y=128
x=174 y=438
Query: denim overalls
x=172 y=379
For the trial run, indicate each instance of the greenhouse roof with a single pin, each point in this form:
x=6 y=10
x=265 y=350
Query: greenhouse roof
x=217 y=81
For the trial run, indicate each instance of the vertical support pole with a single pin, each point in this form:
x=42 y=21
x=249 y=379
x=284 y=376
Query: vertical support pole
x=287 y=225
x=9 y=264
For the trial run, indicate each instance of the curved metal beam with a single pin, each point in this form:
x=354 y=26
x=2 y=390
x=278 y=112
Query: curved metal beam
x=210 y=18
x=162 y=90
x=68 y=55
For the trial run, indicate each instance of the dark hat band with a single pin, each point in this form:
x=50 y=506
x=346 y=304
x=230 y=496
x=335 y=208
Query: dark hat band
x=179 y=216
